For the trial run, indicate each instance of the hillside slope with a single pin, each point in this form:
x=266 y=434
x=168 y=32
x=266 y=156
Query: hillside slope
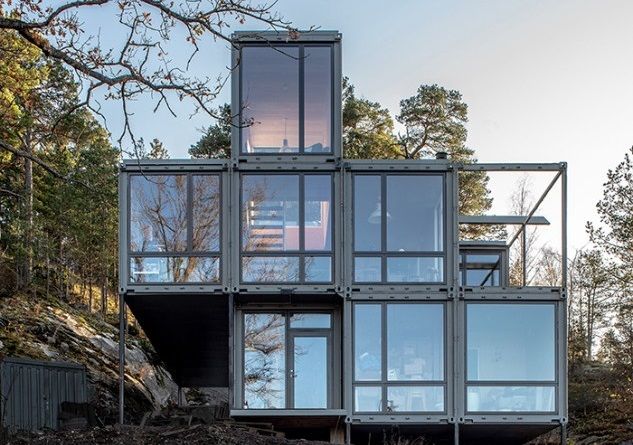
x=50 y=329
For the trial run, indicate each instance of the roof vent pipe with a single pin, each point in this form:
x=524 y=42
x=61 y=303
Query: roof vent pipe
x=441 y=155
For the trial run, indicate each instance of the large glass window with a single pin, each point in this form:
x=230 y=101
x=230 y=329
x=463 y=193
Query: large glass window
x=399 y=228
x=511 y=342
x=399 y=357
x=287 y=360
x=287 y=228
x=264 y=361
x=286 y=97
x=174 y=228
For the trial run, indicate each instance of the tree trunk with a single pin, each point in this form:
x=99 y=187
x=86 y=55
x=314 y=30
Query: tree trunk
x=104 y=297
x=28 y=213
x=48 y=269
x=89 y=295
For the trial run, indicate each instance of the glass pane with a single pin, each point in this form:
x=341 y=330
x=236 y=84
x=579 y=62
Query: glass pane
x=318 y=269
x=367 y=214
x=415 y=270
x=511 y=398
x=482 y=277
x=318 y=212
x=270 y=269
x=415 y=213
x=206 y=213
x=482 y=259
x=158 y=213
x=174 y=270
x=415 y=398
x=264 y=361
x=270 y=99
x=318 y=99
x=415 y=341
x=321 y=321
x=367 y=399
x=310 y=373
x=367 y=270
x=367 y=342
x=270 y=212
x=510 y=342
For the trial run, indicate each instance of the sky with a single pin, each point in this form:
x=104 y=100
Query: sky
x=545 y=81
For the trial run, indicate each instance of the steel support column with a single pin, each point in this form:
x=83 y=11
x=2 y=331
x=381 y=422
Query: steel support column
x=122 y=320
x=456 y=434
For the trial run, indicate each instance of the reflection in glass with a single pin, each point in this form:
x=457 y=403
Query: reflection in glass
x=174 y=270
x=367 y=214
x=205 y=209
x=318 y=269
x=367 y=342
x=367 y=269
x=310 y=372
x=415 y=398
x=367 y=399
x=482 y=269
x=158 y=213
x=415 y=341
x=318 y=99
x=511 y=398
x=415 y=270
x=264 y=361
x=510 y=342
x=317 y=212
x=319 y=321
x=270 y=212
x=416 y=213
x=274 y=269
x=270 y=99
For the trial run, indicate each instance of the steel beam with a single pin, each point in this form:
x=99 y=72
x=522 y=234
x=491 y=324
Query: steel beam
x=504 y=167
x=503 y=220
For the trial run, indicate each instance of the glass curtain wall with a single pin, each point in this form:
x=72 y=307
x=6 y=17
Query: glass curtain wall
x=287 y=228
x=287 y=360
x=399 y=357
x=286 y=98
x=174 y=228
x=398 y=228
x=511 y=357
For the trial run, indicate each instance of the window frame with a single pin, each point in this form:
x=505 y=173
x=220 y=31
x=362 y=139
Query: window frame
x=188 y=252
x=466 y=250
x=384 y=383
x=300 y=253
x=383 y=253
x=334 y=364
x=334 y=140
x=555 y=383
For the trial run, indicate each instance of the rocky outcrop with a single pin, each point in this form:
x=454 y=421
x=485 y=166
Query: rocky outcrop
x=54 y=330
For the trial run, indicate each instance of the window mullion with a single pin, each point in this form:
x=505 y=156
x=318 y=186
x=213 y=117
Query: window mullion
x=301 y=227
x=383 y=227
x=189 y=213
x=301 y=99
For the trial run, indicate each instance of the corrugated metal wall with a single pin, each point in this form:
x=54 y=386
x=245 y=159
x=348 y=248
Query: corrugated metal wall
x=31 y=392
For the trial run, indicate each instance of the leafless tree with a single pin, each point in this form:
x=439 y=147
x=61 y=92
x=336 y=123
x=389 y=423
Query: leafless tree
x=521 y=202
x=141 y=64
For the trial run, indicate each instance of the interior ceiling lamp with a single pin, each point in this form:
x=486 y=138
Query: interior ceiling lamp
x=375 y=216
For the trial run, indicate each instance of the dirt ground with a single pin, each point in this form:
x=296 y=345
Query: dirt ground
x=132 y=435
